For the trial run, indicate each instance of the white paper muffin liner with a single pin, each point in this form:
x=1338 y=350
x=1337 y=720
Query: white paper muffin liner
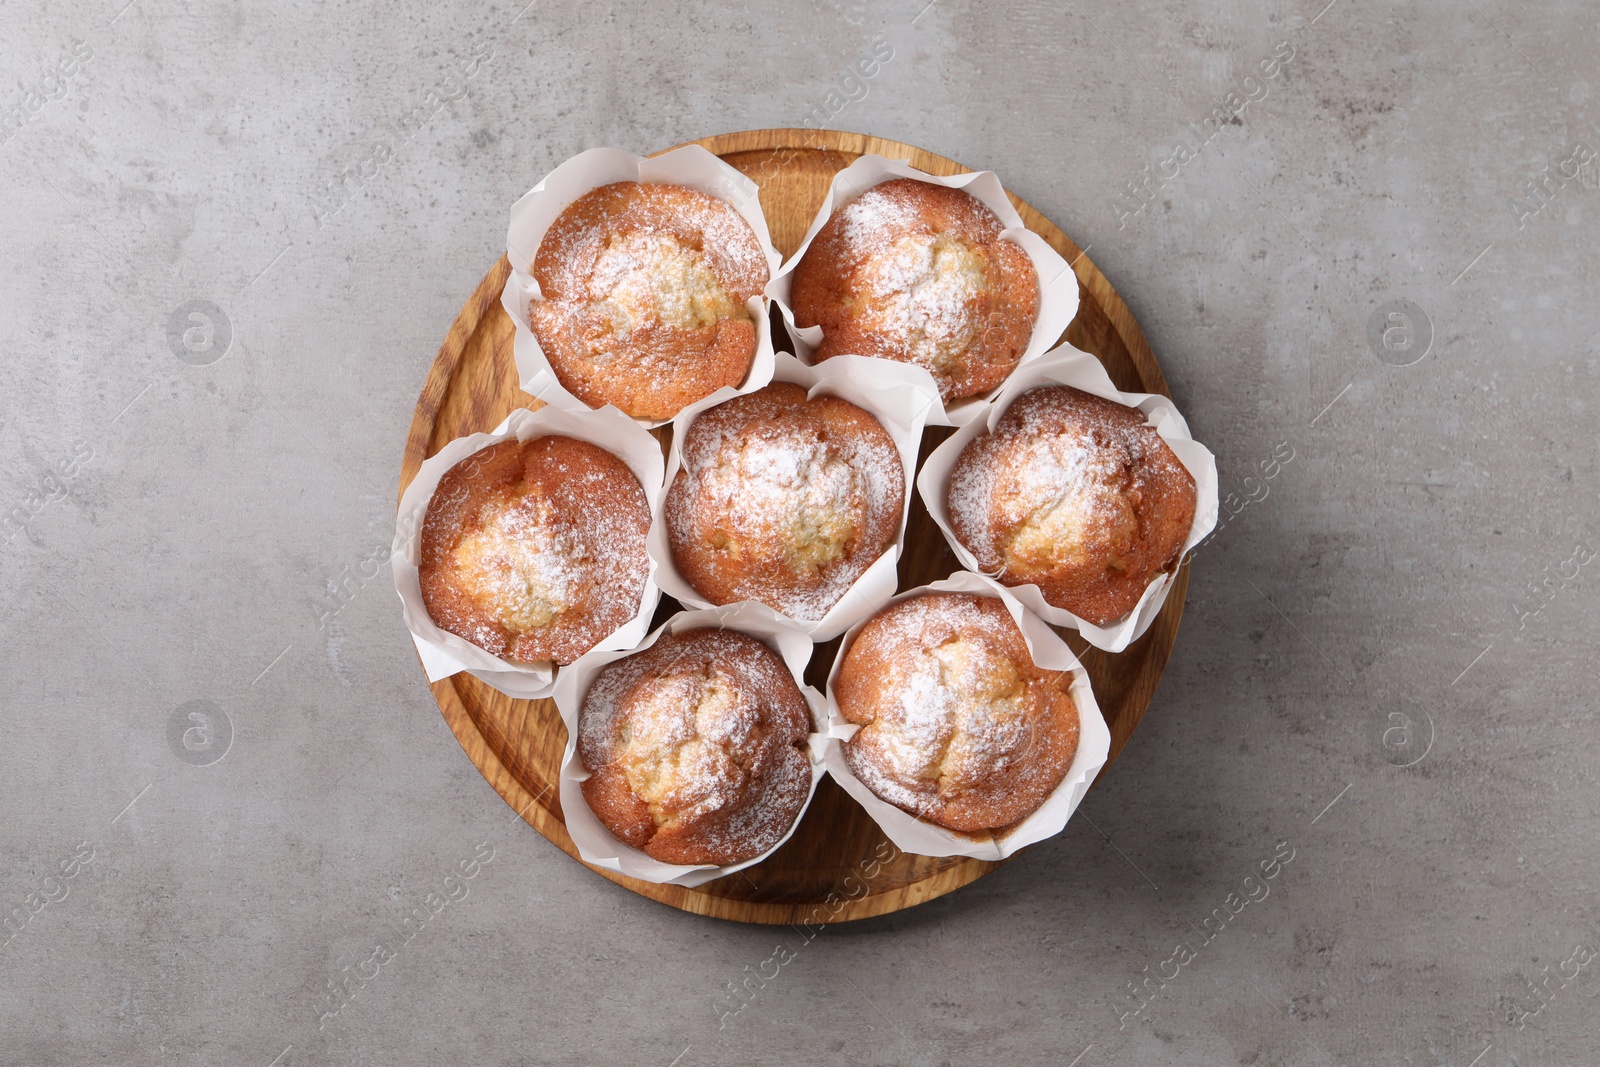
x=596 y=844
x=1071 y=366
x=532 y=216
x=900 y=396
x=1058 y=285
x=923 y=838
x=443 y=653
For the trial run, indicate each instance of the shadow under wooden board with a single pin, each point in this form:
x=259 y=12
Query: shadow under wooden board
x=818 y=875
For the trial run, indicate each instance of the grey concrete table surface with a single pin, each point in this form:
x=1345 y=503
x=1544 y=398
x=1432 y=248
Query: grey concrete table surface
x=1361 y=240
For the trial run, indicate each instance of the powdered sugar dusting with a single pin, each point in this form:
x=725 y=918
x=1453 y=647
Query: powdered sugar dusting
x=1074 y=493
x=919 y=272
x=535 y=551
x=639 y=278
x=801 y=493
x=1050 y=486
x=955 y=705
x=952 y=707
x=518 y=562
x=794 y=504
x=705 y=728
x=645 y=296
x=687 y=745
x=876 y=216
x=923 y=286
x=662 y=219
x=923 y=298
x=670 y=256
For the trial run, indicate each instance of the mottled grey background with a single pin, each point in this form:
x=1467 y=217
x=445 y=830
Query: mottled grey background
x=187 y=522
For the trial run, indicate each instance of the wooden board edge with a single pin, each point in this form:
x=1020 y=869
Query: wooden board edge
x=1155 y=667
x=510 y=789
x=466 y=730
x=425 y=415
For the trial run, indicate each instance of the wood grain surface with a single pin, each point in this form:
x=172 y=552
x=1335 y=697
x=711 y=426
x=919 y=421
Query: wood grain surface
x=833 y=869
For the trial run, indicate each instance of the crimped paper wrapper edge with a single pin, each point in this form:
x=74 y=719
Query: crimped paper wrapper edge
x=914 y=835
x=900 y=396
x=443 y=653
x=1066 y=365
x=596 y=844
x=1058 y=284
x=533 y=213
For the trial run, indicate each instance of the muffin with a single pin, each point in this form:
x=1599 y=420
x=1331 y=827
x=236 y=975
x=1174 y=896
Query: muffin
x=644 y=290
x=535 y=551
x=783 y=500
x=958 y=725
x=1075 y=494
x=696 y=748
x=918 y=273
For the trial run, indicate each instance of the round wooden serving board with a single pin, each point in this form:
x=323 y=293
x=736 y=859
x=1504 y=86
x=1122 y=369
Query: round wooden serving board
x=826 y=872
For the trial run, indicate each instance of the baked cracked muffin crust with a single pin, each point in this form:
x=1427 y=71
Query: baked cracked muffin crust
x=644 y=290
x=1075 y=494
x=535 y=551
x=783 y=500
x=958 y=725
x=918 y=272
x=696 y=748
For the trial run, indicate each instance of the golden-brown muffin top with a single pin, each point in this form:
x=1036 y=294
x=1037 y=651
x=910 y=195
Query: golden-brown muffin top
x=695 y=748
x=535 y=551
x=1075 y=494
x=958 y=724
x=644 y=290
x=783 y=500
x=918 y=272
